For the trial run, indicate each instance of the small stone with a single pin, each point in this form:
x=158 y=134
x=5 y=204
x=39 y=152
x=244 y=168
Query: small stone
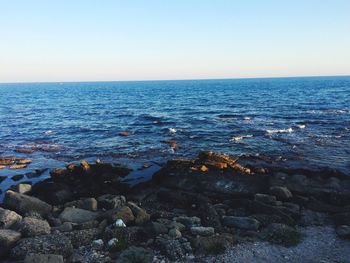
x=282 y=193
x=175 y=233
x=202 y=231
x=343 y=231
x=241 y=222
x=8 y=218
x=119 y=223
x=43 y=258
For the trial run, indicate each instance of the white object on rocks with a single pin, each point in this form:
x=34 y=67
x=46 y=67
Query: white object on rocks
x=119 y=223
x=98 y=244
x=112 y=243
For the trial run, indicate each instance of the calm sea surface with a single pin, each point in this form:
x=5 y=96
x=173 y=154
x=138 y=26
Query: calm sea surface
x=303 y=122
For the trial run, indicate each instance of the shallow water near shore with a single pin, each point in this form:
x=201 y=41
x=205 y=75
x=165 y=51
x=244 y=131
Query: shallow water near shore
x=295 y=122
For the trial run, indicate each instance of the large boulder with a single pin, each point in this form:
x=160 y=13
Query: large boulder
x=31 y=226
x=8 y=218
x=77 y=215
x=8 y=239
x=241 y=222
x=57 y=244
x=23 y=204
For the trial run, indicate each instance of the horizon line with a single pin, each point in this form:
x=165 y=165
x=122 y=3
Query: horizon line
x=189 y=79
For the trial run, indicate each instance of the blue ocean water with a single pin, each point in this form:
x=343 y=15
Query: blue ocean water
x=303 y=122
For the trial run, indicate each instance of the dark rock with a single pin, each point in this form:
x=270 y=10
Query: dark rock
x=77 y=215
x=281 y=234
x=342 y=218
x=23 y=203
x=123 y=213
x=214 y=244
x=136 y=255
x=43 y=258
x=141 y=216
x=241 y=222
x=343 y=231
x=126 y=236
x=158 y=228
x=53 y=193
x=282 y=193
x=56 y=244
x=312 y=218
x=17 y=177
x=30 y=227
x=319 y=206
x=174 y=249
x=189 y=221
x=268 y=199
x=8 y=239
x=109 y=201
x=174 y=233
x=65 y=227
x=8 y=218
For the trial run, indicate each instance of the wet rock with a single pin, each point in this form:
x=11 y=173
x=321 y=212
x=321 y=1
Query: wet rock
x=8 y=218
x=202 y=231
x=282 y=193
x=141 y=216
x=2 y=167
x=24 y=161
x=7 y=160
x=123 y=213
x=159 y=228
x=23 y=204
x=213 y=244
x=126 y=236
x=65 y=227
x=8 y=239
x=53 y=193
x=17 y=177
x=343 y=231
x=85 y=165
x=136 y=254
x=18 y=166
x=43 y=258
x=281 y=234
x=268 y=199
x=174 y=249
x=23 y=188
x=58 y=173
x=83 y=237
x=109 y=201
x=77 y=215
x=174 y=233
x=30 y=227
x=241 y=222
x=85 y=203
x=56 y=244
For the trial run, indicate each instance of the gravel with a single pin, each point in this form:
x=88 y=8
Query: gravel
x=320 y=245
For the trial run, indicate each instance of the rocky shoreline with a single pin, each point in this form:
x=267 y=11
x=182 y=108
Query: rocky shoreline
x=189 y=211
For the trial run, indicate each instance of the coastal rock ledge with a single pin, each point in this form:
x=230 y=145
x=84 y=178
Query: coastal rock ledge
x=189 y=211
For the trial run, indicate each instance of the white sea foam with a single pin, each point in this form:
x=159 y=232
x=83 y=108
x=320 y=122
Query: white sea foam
x=247 y=118
x=240 y=137
x=301 y=126
x=289 y=130
x=172 y=130
x=49 y=132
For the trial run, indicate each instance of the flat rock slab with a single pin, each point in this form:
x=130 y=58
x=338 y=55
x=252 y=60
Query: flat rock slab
x=23 y=204
x=77 y=215
x=43 y=258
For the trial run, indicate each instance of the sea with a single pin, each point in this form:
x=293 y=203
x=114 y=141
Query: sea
x=297 y=122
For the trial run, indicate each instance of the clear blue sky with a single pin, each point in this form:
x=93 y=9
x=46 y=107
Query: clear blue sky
x=73 y=40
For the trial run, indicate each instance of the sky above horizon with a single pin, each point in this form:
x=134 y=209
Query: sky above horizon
x=85 y=40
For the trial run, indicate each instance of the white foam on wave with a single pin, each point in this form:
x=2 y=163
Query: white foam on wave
x=289 y=130
x=301 y=126
x=240 y=137
x=49 y=132
x=247 y=118
x=172 y=130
